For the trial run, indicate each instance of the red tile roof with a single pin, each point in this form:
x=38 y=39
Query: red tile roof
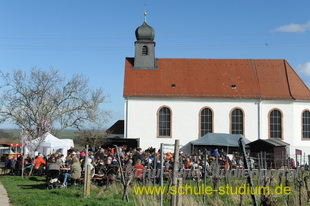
x=216 y=78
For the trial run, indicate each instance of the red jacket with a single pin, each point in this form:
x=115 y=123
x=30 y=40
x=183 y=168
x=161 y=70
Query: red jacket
x=138 y=170
x=40 y=161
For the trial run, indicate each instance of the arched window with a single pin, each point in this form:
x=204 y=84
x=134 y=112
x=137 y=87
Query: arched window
x=306 y=124
x=206 y=121
x=145 y=50
x=237 y=121
x=275 y=124
x=164 y=122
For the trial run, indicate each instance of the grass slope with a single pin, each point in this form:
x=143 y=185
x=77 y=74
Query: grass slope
x=31 y=191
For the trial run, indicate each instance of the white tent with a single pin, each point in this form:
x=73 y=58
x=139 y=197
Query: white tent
x=50 y=143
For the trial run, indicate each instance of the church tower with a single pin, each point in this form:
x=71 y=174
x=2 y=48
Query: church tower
x=145 y=47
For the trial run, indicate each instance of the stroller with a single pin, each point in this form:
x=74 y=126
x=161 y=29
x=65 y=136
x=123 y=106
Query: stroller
x=53 y=179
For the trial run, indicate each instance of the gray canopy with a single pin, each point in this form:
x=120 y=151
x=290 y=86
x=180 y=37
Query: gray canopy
x=219 y=139
x=215 y=139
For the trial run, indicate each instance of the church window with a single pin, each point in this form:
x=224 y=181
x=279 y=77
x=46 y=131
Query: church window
x=306 y=124
x=275 y=124
x=164 y=122
x=145 y=50
x=237 y=121
x=206 y=121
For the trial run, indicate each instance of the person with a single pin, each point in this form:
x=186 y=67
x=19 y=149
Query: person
x=251 y=163
x=13 y=164
x=169 y=156
x=136 y=156
x=99 y=167
x=138 y=169
x=100 y=154
x=75 y=171
x=18 y=165
x=112 y=168
x=293 y=164
x=62 y=160
x=53 y=165
x=215 y=152
x=53 y=168
x=39 y=162
x=7 y=166
x=69 y=151
x=226 y=164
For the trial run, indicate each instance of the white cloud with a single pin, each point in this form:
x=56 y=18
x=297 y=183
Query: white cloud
x=304 y=68
x=294 y=28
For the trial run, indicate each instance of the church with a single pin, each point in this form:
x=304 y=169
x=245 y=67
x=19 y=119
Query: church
x=170 y=98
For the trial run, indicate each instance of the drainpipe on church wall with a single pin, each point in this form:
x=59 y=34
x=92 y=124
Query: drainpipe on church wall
x=258 y=118
x=126 y=117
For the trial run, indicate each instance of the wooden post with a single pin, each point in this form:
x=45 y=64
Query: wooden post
x=283 y=159
x=296 y=160
x=23 y=162
x=161 y=171
x=265 y=160
x=307 y=188
x=154 y=168
x=287 y=184
x=87 y=180
x=124 y=182
x=154 y=173
x=299 y=190
x=204 y=174
x=175 y=171
x=179 y=196
x=308 y=162
x=246 y=166
x=258 y=159
x=86 y=176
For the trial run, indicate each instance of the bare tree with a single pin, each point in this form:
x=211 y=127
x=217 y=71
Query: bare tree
x=43 y=100
x=94 y=137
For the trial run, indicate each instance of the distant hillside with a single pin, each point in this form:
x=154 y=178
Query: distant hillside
x=12 y=135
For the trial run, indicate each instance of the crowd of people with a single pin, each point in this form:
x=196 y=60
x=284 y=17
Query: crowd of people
x=107 y=162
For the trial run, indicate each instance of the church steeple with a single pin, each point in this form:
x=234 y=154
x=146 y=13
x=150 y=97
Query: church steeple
x=145 y=47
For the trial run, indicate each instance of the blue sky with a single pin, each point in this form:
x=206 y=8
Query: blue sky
x=94 y=37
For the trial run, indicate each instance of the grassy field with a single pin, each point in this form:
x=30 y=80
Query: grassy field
x=65 y=134
x=13 y=136
x=31 y=191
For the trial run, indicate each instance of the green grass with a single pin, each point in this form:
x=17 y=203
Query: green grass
x=31 y=191
x=68 y=134
x=65 y=134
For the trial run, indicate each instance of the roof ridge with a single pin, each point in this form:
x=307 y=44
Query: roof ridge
x=257 y=77
x=217 y=59
x=295 y=73
x=287 y=80
x=224 y=59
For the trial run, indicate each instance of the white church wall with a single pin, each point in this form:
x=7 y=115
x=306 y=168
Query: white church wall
x=298 y=141
x=286 y=108
x=142 y=119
